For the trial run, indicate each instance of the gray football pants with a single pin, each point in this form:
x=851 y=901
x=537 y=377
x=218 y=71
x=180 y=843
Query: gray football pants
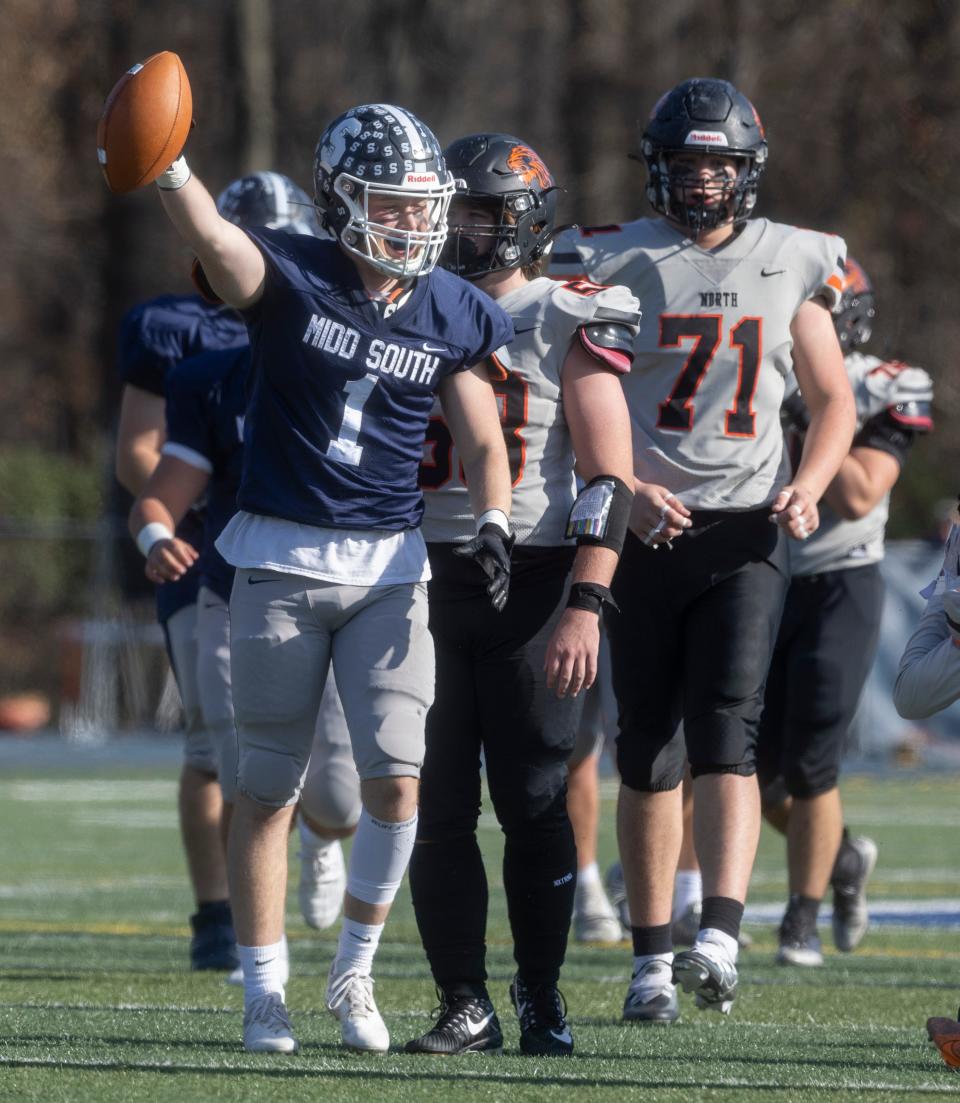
x=331 y=792
x=199 y=749
x=286 y=630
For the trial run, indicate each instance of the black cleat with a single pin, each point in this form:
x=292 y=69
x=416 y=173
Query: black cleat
x=465 y=1024
x=213 y=945
x=542 y=1011
x=857 y=857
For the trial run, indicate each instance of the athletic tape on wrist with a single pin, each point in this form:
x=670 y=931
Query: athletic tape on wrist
x=494 y=517
x=175 y=176
x=150 y=534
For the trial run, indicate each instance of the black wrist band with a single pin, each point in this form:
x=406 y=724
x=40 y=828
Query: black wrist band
x=590 y=596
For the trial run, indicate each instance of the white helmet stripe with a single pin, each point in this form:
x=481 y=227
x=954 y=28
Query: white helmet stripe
x=414 y=136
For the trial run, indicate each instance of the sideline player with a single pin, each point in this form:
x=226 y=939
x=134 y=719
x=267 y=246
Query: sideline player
x=509 y=683
x=828 y=638
x=154 y=337
x=928 y=681
x=202 y=458
x=728 y=301
x=351 y=340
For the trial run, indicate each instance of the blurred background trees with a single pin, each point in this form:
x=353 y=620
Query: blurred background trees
x=859 y=99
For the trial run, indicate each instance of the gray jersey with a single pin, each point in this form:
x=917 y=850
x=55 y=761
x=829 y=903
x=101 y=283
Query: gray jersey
x=879 y=387
x=714 y=350
x=527 y=380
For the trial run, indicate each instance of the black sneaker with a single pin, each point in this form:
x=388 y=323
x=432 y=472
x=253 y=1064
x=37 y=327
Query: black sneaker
x=465 y=1024
x=213 y=945
x=542 y=1011
x=798 y=941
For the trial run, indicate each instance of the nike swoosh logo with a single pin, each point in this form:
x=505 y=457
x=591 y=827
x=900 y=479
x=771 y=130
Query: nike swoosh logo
x=434 y=348
x=269 y=961
x=529 y=329
x=775 y=272
x=561 y=1035
x=361 y=938
x=473 y=1029
x=257 y=581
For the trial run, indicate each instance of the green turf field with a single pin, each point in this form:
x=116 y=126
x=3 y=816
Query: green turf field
x=96 y=1002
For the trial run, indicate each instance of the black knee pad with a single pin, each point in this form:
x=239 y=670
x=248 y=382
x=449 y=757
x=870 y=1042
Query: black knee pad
x=807 y=783
x=647 y=767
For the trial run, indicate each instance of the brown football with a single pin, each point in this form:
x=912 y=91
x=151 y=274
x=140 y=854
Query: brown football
x=145 y=122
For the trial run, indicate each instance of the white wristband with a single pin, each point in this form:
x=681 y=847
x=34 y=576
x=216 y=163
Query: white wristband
x=494 y=517
x=175 y=176
x=150 y=534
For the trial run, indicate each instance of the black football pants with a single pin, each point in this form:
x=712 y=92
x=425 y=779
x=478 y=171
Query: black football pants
x=492 y=700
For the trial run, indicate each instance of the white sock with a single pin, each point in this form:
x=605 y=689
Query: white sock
x=589 y=875
x=719 y=938
x=357 y=946
x=687 y=890
x=262 y=970
x=309 y=839
x=379 y=858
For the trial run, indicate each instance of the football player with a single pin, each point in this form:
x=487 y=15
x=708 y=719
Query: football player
x=509 y=683
x=202 y=458
x=154 y=337
x=928 y=681
x=729 y=303
x=351 y=339
x=829 y=634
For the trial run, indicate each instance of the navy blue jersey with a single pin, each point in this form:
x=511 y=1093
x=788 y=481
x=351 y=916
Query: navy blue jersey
x=154 y=337
x=341 y=395
x=206 y=400
x=158 y=334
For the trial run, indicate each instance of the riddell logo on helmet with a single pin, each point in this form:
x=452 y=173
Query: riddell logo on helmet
x=421 y=178
x=706 y=138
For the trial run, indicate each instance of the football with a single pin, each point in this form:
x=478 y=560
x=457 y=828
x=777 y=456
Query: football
x=145 y=122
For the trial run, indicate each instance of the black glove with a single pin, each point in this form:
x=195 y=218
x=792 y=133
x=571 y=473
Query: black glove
x=490 y=550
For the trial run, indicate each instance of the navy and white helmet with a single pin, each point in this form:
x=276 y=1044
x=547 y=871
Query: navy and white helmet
x=703 y=115
x=854 y=314
x=269 y=199
x=378 y=150
x=504 y=175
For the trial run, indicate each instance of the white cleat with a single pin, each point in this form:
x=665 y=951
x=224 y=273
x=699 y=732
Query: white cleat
x=350 y=999
x=594 y=919
x=266 y=1026
x=323 y=881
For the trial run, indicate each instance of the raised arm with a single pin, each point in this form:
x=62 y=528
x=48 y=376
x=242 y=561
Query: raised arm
x=232 y=264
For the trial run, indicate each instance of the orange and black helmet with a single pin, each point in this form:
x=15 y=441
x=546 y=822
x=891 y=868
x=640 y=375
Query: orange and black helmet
x=503 y=174
x=853 y=317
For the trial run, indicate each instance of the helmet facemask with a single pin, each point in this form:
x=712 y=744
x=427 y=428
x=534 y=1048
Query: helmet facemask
x=520 y=234
x=685 y=198
x=393 y=250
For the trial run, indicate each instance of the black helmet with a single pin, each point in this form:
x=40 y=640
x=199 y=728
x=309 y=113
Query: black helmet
x=853 y=318
x=269 y=199
x=504 y=173
x=380 y=149
x=703 y=115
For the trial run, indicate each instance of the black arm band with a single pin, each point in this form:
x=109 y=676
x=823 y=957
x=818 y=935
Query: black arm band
x=600 y=513
x=590 y=596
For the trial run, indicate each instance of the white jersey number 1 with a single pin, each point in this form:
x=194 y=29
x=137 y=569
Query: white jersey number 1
x=345 y=448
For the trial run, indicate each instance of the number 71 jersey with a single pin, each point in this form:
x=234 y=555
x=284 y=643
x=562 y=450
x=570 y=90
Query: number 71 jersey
x=714 y=350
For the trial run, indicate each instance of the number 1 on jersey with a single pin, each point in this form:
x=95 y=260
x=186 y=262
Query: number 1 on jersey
x=345 y=448
x=677 y=412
